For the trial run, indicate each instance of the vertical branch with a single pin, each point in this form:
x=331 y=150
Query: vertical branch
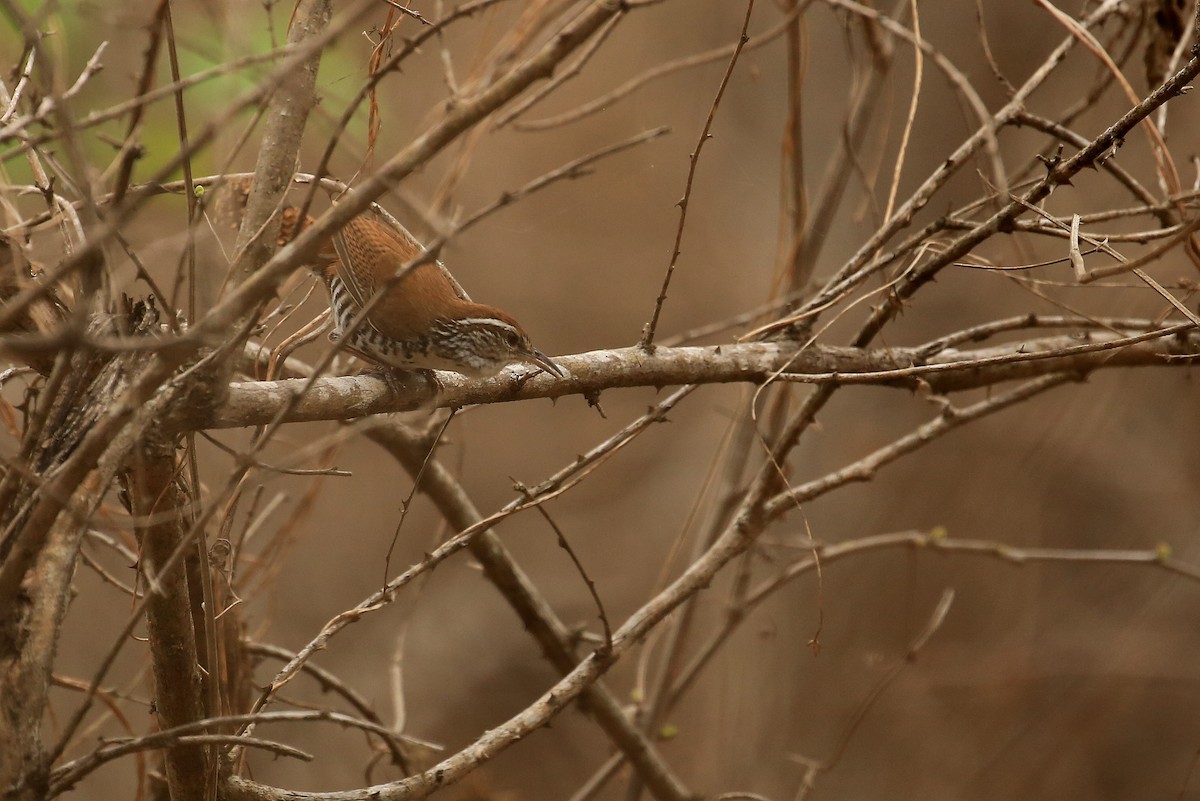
x=130 y=151
x=189 y=260
x=911 y=119
x=859 y=122
x=28 y=643
x=793 y=147
x=197 y=585
x=161 y=507
x=287 y=114
x=647 y=342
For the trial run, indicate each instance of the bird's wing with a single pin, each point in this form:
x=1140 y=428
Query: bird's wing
x=370 y=253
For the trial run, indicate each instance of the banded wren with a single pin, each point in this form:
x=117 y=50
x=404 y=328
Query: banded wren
x=420 y=319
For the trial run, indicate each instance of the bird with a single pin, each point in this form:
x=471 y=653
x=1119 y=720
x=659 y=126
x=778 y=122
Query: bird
x=415 y=319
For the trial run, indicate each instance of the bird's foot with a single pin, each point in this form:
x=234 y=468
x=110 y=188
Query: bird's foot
x=406 y=383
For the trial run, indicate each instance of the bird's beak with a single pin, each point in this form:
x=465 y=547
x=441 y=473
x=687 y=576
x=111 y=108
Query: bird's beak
x=545 y=362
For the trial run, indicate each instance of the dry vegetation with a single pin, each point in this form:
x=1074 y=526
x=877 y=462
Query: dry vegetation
x=858 y=486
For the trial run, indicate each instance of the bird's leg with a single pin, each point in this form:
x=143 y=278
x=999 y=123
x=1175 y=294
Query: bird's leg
x=394 y=377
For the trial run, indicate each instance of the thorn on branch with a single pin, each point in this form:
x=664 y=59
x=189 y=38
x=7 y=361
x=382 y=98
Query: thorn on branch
x=593 y=401
x=659 y=415
x=408 y=11
x=1051 y=163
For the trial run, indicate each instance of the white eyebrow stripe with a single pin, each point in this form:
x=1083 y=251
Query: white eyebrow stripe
x=492 y=321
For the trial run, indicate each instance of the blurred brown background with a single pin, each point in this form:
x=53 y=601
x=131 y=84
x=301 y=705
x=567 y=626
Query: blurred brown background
x=1046 y=681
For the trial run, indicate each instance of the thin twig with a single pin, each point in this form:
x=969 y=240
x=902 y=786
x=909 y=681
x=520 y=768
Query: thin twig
x=406 y=504
x=587 y=580
x=647 y=341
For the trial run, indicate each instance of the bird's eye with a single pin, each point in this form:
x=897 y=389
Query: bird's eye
x=513 y=339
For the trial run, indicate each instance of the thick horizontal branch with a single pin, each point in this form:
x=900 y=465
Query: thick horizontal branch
x=588 y=374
